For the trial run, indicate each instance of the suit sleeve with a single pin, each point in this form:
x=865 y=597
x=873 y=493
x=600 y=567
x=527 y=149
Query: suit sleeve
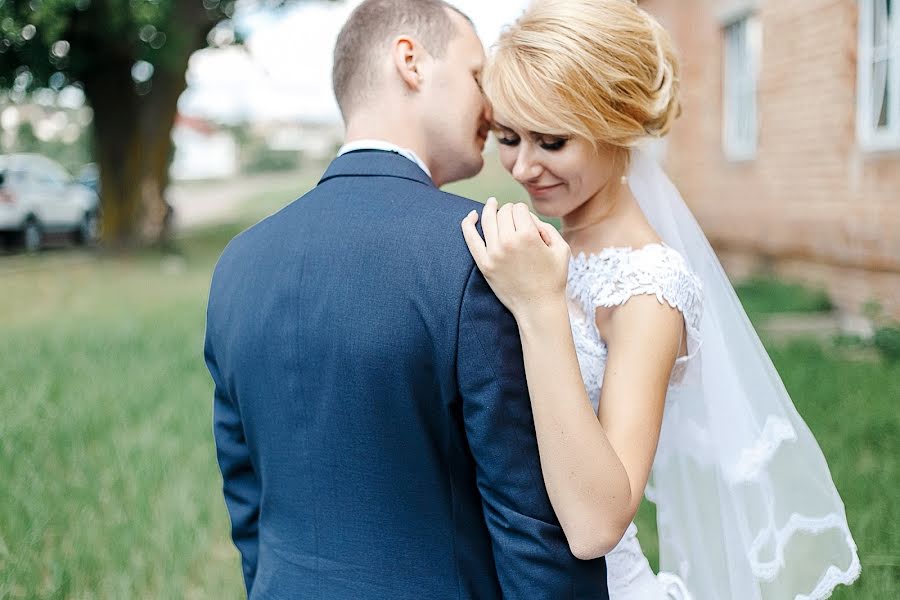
x=531 y=553
x=240 y=482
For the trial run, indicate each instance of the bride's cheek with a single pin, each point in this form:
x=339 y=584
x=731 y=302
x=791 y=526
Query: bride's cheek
x=507 y=157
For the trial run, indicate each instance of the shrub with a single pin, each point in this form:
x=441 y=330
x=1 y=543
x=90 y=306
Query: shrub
x=887 y=340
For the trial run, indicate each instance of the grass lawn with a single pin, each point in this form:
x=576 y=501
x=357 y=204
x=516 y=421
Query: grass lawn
x=108 y=482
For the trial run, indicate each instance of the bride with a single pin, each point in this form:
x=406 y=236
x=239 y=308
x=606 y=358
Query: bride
x=645 y=374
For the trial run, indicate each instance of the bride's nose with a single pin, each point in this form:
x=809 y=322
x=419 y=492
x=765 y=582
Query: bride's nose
x=526 y=168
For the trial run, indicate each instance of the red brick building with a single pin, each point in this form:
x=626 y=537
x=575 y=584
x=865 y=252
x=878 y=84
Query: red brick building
x=788 y=150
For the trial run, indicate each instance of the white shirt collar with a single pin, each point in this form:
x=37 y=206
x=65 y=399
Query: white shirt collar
x=386 y=146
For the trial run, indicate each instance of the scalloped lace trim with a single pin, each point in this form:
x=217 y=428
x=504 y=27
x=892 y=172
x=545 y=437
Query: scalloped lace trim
x=613 y=275
x=748 y=468
x=833 y=577
x=775 y=432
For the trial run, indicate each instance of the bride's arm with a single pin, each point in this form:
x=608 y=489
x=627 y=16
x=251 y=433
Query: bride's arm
x=595 y=470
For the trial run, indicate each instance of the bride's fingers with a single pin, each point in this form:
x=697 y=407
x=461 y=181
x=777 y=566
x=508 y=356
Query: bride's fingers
x=545 y=237
x=489 y=222
x=506 y=227
x=552 y=233
x=555 y=240
x=541 y=227
x=522 y=219
x=473 y=240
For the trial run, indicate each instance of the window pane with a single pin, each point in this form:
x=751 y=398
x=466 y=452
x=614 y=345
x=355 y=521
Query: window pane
x=883 y=116
x=880 y=94
x=742 y=47
x=880 y=29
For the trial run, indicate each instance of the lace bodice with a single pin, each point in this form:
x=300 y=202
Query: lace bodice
x=612 y=276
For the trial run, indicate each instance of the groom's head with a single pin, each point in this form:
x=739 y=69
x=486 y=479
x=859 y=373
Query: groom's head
x=409 y=71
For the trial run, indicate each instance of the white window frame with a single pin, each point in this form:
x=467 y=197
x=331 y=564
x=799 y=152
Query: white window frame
x=742 y=41
x=871 y=136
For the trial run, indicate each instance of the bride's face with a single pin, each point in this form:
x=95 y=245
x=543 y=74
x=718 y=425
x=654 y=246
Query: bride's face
x=561 y=174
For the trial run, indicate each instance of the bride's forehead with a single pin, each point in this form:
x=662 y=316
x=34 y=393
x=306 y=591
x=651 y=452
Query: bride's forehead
x=502 y=119
x=502 y=122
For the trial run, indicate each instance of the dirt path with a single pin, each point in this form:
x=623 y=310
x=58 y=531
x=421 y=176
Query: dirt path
x=219 y=201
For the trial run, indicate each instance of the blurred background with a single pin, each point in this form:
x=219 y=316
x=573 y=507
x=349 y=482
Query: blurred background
x=137 y=137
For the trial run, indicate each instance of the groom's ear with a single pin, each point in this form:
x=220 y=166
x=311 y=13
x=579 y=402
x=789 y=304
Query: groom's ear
x=409 y=58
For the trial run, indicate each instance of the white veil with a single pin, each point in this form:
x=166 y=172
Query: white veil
x=746 y=506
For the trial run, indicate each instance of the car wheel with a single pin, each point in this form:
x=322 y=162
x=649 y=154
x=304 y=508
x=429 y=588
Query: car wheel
x=32 y=237
x=88 y=229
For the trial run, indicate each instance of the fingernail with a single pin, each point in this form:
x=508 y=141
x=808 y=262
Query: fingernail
x=492 y=199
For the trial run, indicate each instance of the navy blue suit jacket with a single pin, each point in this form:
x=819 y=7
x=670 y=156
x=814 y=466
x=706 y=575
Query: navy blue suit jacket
x=371 y=416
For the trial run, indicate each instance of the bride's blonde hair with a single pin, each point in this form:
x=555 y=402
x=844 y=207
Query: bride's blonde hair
x=603 y=70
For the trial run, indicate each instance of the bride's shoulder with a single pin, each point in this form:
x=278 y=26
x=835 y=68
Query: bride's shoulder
x=661 y=260
x=612 y=275
x=671 y=273
x=653 y=258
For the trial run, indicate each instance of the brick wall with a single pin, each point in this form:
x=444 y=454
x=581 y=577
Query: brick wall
x=811 y=206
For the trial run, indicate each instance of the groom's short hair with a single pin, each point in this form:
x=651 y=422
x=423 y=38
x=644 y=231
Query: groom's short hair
x=367 y=32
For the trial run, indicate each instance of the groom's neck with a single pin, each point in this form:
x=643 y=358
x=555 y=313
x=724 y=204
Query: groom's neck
x=392 y=128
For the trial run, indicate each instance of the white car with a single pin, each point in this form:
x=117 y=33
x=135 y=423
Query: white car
x=38 y=197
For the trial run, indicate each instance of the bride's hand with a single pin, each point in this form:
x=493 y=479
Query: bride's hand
x=525 y=260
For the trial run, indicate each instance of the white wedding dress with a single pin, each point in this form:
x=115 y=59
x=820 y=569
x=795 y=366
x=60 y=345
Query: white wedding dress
x=610 y=278
x=745 y=503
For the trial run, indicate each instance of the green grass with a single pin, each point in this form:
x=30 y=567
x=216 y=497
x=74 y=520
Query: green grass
x=110 y=488
x=108 y=481
x=762 y=296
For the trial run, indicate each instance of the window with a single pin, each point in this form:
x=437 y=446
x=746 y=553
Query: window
x=743 y=41
x=878 y=75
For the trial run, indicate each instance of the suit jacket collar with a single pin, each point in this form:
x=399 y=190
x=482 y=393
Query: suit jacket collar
x=375 y=163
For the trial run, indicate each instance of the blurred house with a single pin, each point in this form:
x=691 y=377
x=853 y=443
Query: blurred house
x=788 y=150
x=316 y=141
x=203 y=150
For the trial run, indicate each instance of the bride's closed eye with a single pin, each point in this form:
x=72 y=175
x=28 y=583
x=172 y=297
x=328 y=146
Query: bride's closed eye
x=506 y=138
x=549 y=143
x=552 y=143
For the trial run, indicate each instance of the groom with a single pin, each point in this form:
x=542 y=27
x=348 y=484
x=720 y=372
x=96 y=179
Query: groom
x=372 y=421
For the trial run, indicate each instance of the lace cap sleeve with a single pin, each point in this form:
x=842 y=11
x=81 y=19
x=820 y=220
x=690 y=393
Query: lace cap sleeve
x=614 y=275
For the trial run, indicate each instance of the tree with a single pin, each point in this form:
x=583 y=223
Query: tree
x=130 y=58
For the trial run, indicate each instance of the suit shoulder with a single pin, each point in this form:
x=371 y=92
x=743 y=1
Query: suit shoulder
x=242 y=247
x=259 y=236
x=457 y=205
x=441 y=214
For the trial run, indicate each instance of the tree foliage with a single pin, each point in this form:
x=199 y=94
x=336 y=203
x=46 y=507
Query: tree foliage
x=130 y=58
x=58 y=42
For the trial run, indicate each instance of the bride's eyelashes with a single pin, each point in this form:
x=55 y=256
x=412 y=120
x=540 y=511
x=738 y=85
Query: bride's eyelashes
x=507 y=139
x=552 y=144
x=548 y=143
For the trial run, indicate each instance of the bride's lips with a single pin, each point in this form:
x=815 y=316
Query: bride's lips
x=540 y=190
